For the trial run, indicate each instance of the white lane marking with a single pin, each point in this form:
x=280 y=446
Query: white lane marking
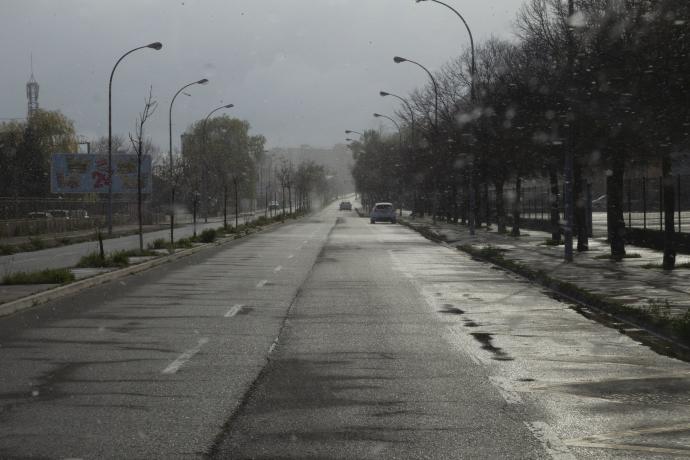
x=291 y=256
x=278 y=268
x=504 y=387
x=261 y=283
x=548 y=439
x=234 y=310
x=305 y=241
x=184 y=357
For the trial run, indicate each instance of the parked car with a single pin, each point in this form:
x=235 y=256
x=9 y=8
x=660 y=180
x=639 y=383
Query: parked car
x=345 y=206
x=383 y=212
x=273 y=205
x=78 y=214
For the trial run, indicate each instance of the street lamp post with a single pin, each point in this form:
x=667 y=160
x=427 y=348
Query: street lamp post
x=205 y=163
x=156 y=46
x=398 y=60
x=378 y=115
x=203 y=81
x=473 y=71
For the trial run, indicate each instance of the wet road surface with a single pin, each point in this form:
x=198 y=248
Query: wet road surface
x=332 y=338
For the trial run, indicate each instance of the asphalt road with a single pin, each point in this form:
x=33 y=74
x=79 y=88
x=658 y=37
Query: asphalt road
x=331 y=338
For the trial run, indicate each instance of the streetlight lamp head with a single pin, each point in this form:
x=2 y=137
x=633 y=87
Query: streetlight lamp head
x=203 y=81
x=229 y=106
x=398 y=59
x=155 y=45
x=347 y=131
x=348 y=140
x=383 y=93
x=377 y=115
x=417 y=1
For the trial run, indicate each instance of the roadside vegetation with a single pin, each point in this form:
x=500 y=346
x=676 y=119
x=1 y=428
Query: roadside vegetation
x=47 y=276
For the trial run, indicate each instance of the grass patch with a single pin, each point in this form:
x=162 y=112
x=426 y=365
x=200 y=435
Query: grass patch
x=47 y=276
x=94 y=260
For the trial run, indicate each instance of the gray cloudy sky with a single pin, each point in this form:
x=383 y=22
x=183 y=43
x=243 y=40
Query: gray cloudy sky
x=301 y=71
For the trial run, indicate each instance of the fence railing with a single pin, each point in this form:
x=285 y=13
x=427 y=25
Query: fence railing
x=643 y=204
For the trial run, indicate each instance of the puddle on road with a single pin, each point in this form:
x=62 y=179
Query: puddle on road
x=449 y=309
x=653 y=391
x=486 y=340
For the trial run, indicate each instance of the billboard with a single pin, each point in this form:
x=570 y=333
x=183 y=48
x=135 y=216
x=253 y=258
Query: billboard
x=87 y=173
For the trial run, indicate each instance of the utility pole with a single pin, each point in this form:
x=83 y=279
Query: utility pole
x=569 y=154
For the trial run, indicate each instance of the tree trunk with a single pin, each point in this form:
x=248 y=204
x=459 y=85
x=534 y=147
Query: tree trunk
x=487 y=207
x=139 y=216
x=580 y=211
x=555 y=201
x=237 y=204
x=500 y=207
x=614 y=209
x=225 y=206
x=669 y=210
x=516 y=207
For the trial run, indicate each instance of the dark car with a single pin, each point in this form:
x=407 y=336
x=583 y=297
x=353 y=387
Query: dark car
x=345 y=206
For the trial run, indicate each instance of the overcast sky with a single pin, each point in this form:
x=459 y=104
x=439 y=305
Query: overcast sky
x=300 y=71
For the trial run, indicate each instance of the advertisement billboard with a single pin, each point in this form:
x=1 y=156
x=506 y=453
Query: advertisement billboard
x=87 y=173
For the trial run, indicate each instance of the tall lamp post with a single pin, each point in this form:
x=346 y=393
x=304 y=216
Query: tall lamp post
x=378 y=115
x=404 y=101
x=473 y=71
x=398 y=60
x=203 y=81
x=156 y=46
x=205 y=163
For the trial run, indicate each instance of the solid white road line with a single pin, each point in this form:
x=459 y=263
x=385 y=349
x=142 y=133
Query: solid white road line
x=261 y=283
x=291 y=256
x=184 y=357
x=234 y=310
x=278 y=268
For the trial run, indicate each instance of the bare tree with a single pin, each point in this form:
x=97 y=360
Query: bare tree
x=142 y=147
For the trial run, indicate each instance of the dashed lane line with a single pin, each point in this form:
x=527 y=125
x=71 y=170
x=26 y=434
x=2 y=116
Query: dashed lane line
x=174 y=366
x=261 y=283
x=234 y=310
x=278 y=268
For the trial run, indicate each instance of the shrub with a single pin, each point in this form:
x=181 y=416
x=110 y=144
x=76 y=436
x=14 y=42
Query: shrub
x=185 y=243
x=208 y=235
x=94 y=260
x=47 y=276
x=159 y=243
x=262 y=220
x=7 y=250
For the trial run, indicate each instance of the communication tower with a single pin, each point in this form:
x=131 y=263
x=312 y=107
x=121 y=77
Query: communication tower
x=32 y=92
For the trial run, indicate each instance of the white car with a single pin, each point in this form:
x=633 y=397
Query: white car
x=383 y=212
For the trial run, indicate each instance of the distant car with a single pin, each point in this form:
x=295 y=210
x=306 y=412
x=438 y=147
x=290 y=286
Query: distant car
x=39 y=215
x=273 y=205
x=59 y=213
x=78 y=214
x=383 y=212
x=345 y=206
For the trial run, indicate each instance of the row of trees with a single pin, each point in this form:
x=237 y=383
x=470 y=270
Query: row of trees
x=221 y=165
x=604 y=82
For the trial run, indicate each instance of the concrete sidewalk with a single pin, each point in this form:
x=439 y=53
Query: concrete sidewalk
x=626 y=282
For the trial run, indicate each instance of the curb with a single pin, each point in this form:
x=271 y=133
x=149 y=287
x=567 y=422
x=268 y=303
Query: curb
x=72 y=288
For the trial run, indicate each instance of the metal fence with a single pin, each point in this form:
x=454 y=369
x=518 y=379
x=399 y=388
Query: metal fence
x=32 y=216
x=643 y=201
